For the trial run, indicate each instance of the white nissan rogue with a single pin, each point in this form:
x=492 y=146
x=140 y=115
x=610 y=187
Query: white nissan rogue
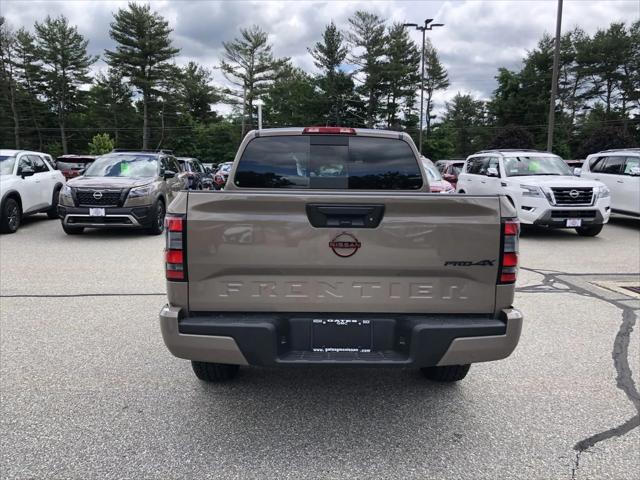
x=28 y=185
x=541 y=186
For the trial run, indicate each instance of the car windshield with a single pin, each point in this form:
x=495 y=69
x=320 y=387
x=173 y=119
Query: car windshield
x=124 y=166
x=457 y=168
x=6 y=164
x=524 y=166
x=432 y=172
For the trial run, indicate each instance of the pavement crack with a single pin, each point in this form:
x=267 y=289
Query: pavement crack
x=619 y=354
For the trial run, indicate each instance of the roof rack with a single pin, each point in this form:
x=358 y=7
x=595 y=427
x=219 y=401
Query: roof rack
x=161 y=150
x=633 y=149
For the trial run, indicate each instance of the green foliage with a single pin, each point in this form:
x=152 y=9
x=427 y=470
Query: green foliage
x=335 y=87
x=369 y=76
x=605 y=138
x=436 y=79
x=248 y=63
x=401 y=75
x=65 y=67
x=101 y=144
x=195 y=91
x=142 y=53
x=368 y=34
x=466 y=117
x=439 y=144
x=512 y=136
x=291 y=100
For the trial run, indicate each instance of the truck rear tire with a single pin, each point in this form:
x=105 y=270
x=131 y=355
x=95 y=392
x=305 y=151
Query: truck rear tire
x=590 y=231
x=214 y=372
x=447 y=373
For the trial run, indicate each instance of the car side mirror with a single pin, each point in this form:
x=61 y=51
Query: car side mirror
x=577 y=171
x=493 y=172
x=634 y=172
x=169 y=174
x=27 y=172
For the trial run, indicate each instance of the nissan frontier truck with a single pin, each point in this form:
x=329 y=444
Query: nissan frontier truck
x=326 y=249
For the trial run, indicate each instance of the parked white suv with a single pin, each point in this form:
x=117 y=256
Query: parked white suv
x=541 y=186
x=28 y=185
x=620 y=171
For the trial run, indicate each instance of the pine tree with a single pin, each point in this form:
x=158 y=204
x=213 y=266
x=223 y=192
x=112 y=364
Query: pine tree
x=248 y=63
x=142 y=53
x=65 y=66
x=8 y=74
x=401 y=74
x=113 y=96
x=368 y=33
x=196 y=94
x=335 y=85
x=435 y=79
x=30 y=77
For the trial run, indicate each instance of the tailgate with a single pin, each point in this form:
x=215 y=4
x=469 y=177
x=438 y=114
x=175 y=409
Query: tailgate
x=249 y=252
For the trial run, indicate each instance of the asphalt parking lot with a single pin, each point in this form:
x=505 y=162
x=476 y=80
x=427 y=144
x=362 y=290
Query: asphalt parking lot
x=88 y=389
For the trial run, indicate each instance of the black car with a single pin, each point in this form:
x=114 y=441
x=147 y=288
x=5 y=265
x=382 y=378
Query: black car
x=195 y=173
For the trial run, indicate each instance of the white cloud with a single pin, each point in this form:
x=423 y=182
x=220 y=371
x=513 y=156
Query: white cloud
x=479 y=35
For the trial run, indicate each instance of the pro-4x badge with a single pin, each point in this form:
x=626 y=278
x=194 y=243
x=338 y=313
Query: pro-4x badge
x=464 y=263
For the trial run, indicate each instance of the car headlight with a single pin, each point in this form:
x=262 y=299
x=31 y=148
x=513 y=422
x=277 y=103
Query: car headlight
x=602 y=191
x=142 y=191
x=530 y=191
x=66 y=191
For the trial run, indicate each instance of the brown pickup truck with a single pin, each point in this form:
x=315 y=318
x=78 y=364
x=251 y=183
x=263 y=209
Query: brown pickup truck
x=326 y=248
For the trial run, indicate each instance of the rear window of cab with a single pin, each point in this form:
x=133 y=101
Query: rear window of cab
x=328 y=162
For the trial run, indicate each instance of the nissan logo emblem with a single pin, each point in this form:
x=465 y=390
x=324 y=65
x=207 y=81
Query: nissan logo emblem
x=345 y=245
x=574 y=193
x=97 y=195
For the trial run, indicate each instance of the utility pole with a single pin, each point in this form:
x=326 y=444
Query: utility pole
x=427 y=26
x=554 y=80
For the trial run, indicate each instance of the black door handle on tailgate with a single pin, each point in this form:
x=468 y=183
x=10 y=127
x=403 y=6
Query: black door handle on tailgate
x=347 y=216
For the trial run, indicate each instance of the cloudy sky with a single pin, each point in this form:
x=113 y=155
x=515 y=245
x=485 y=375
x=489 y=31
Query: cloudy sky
x=479 y=35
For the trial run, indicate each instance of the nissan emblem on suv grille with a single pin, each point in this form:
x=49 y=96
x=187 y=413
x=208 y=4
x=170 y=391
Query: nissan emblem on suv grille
x=97 y=195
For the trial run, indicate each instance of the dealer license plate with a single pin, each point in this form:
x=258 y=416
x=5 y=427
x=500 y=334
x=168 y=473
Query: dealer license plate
x=574 y=222
x=341 y=335
x=96 y=212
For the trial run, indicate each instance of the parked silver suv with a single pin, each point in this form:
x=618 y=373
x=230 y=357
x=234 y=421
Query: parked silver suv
x=121 y=189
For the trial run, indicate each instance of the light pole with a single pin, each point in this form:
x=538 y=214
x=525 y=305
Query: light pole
x=554 y=80
x=259 y=103
x=423 y=28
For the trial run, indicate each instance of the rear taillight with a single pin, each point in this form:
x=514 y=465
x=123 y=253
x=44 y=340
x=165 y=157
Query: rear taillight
x=509 y=255
x=330 y=130
x=174 y=253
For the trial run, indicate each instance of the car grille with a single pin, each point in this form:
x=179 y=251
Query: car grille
x=110 y=198
x=563 y=196
x=573 y=214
